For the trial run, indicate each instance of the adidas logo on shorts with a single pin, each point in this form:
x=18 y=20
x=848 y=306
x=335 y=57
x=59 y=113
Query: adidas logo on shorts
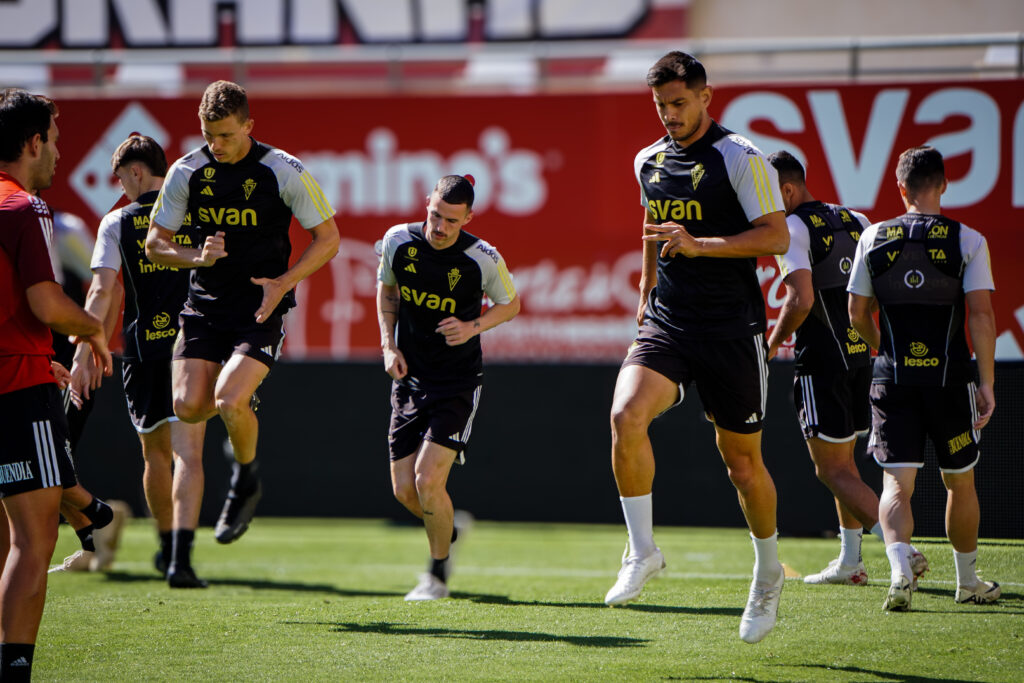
x=752 y=419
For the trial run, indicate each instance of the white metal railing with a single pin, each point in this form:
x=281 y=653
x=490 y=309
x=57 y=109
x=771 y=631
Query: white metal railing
x=544 y=53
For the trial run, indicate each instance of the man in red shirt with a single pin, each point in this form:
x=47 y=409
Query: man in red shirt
x=35 y=463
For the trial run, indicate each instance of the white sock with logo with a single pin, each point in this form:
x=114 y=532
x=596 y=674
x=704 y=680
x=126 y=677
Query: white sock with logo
x=849 y=549
x=639 y=514
x=899 y=560
x=766 y=558
x=965 y=568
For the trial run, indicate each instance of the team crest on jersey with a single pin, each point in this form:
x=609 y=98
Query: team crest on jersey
x=845 y=265
x=659 y=159
x=696 y=174
x=913 y=279
x=208 y=173
x=453 y=278
x=411 y=253
x=248 y=186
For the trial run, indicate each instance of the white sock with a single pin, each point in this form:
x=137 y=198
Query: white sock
x=639 y=514
x=965 y=566
x=899 y=560
x=849 y=550
x=766 y=558
x=876 y=530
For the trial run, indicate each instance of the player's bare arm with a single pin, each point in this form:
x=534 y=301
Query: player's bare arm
x=457 y=331
x=981 y=323
x=387 y=318
x=767 y=236
x=321 y=250
x=797 y=305
x=57 y=311
x=860 y=309
x=85 y=375
x=163 y=250
x=648 y=270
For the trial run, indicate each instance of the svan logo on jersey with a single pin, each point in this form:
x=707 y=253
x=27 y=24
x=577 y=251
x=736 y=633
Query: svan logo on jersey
x=676 y=209
x=431 y=301
x=224 y=216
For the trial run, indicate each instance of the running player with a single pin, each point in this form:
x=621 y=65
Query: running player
x=922 y=268
x=172 y=450
x=833 y=364
x=241 y=195
x=35 y=461
x=432 y=278
x=714 y=204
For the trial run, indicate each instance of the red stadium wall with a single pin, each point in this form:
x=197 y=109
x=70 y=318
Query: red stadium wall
x=556 y=192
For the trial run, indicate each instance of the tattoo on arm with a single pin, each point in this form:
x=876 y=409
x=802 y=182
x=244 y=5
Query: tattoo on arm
x=476 y=324
x=428 y=512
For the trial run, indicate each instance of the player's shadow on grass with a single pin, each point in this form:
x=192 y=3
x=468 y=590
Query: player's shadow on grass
x=488 y=599
x=1009 y=604
x=261 y=584
x=387 y=628
x=884 y=675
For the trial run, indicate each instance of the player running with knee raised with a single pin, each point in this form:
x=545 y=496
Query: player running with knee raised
x=432 y=278
x=833 y=364
x=241 y=196
x=172 y=449
x=928 y=274
x=712 y=205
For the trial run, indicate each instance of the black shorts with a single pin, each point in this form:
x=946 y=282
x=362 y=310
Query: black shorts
x=901 y=418
x=731 y=374
x=444 y=417
x=36 y=451
x=197 y=338
x=834 y=406
x=147 y=386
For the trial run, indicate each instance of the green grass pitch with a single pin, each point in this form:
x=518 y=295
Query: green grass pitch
x=321 y=600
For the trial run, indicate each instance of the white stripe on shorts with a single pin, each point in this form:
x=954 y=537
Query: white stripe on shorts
x=49 y=474
x=762 y=366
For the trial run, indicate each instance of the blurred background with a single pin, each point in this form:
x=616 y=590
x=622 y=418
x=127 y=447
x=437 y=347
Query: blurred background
x=544 y=102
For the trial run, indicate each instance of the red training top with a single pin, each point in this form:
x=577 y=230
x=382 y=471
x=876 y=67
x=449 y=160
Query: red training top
x=26 y=233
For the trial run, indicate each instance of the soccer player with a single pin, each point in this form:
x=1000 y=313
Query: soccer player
x=713 y=204
x=241 y=195
x=155 y=296
x=35 y=461
x=432 y=277
x=922 y=268
x=833 y=364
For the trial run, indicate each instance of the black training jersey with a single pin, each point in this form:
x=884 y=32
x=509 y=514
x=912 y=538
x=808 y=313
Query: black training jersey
x=918 y=267
x=153 y=294
x=434 y=285
x=823 y=239
x=252 y=201
x=714 y=187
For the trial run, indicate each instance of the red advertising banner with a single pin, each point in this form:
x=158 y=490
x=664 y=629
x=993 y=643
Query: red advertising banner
x=556 y=192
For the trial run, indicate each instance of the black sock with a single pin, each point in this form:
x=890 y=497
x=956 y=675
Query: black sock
x=455 y=534
x=167 y=547
x=98 y=512
x=85 y=536
x=244 y=477
x=183 y=539
x=16 y=661
x=439 y=568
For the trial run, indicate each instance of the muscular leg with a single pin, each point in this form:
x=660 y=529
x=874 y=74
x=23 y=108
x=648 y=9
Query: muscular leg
x=33 y=533
x=894 y=506
x=641 y=394
x=433 y=463
x=156 y=476
x=403 y=483
x=192 y=382
x=756 y=490
x=856 y=503
x=962 y=511
x=187 y=487
x=235 y=385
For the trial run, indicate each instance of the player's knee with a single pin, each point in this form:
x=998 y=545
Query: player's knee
x=405 y=493
x=427 y=483
x=742 y=476
x=190 y=410
x=231 y=404
x=627 y=422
